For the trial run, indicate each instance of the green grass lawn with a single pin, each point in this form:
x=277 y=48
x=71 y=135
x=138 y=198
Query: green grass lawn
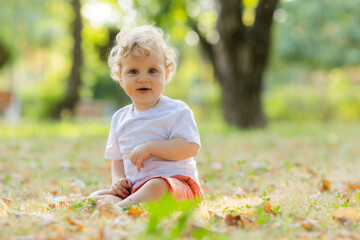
x=307 y=173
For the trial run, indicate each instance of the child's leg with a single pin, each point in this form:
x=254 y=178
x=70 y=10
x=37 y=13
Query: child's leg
x=102 y=194
x=153 y=189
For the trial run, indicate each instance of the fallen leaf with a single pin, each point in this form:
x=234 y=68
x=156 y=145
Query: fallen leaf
x=54 y=193
x=71 y=221
x=250 y=214
x=326 y=184
x=216 y=215
x=235 y=219
x=253 y=178
x=27 y=180
x=78 y=227
x=269 y=210
x=52 y=205
x=89 y=209
x=310 y=224
x=232 y=219
x=311 y=172
x=135 y=211
x=353 y=186
x=247 y=223
x=342 y=215
x=54 y=182
x=7 y=201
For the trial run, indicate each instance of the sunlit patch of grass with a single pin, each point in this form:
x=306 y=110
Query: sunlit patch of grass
x=284 y=164
x=67 y=129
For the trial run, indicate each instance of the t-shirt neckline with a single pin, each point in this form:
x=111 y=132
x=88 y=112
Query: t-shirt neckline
x=148 y=110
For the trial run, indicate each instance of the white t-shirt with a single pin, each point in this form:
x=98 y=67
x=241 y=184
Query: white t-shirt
x=168 y=119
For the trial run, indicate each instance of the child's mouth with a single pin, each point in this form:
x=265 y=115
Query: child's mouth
x=143 y=90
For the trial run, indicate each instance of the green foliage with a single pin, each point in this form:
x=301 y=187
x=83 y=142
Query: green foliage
x=164 y=208
x=320 y=34
x=261 y=216
x=338 y=99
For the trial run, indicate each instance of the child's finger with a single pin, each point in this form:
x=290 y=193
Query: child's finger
x=125 y=184
x=118 y=192
x=129 y=183
x=122 y=188
x=112 y=192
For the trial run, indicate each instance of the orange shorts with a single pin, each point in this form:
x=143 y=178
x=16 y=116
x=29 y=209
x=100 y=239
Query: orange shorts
x=181 y=187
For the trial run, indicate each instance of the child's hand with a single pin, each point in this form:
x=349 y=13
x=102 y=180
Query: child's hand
x=139 y=154
x=121 y=187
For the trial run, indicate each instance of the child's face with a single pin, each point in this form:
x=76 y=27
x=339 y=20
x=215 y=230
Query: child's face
x=143 y=79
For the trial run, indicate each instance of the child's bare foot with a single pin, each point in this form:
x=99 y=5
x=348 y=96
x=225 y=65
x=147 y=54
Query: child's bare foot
x=108 y=199
x=122 y=204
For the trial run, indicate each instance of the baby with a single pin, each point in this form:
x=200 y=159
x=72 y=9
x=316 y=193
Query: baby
x=152 y=141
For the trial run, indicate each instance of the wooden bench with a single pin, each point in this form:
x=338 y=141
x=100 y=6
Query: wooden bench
x=5 y=100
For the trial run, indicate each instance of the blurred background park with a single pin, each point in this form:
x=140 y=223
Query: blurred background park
x=287 y=69
x=53 y=58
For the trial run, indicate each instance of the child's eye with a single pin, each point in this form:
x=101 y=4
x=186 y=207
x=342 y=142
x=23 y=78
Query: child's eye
x=133 y=71
x=152 y=70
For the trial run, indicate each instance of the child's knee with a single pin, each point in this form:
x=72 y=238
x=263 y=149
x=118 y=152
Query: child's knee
x=94 y=196
x=159 y=185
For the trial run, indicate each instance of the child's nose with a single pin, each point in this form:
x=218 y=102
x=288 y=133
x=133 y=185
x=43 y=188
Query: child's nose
x=143 y=79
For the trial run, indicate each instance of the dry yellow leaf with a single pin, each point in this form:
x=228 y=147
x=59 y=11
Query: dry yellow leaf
x=310 y=224
x=7 y=201
x=353 y=186
x=347 y=213
x=71 y=221
x=268 y=209
x=250 y=214
x=214 y=214
x=232 y=219
x=133 y=211
x=326 y=184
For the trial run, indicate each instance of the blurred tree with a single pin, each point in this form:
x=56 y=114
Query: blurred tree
x=239 y=56
x=74 y=80
x=322 y=35
x=4 y=54
x=239 y=60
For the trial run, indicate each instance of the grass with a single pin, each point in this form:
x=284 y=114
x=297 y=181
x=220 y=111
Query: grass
x=47 y=169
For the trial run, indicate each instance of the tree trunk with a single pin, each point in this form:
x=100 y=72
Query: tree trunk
x=239 y=60
x=74 y=80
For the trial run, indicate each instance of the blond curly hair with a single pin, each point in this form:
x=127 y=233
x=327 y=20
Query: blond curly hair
x=139 y=42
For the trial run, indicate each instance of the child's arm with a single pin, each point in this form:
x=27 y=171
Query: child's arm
x=120 y=185
x=117 y=170
x=176 y=149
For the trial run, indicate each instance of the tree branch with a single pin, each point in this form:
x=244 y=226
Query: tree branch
x=262 y=26
x=230 y=24
x=207 y=48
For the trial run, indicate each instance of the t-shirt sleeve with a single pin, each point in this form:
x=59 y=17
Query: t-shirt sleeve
x=185 y=127
x=112 y=150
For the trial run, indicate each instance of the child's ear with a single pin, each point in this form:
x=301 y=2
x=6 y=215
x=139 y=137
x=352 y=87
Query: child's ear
x=167 y=74
x=120 y=80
